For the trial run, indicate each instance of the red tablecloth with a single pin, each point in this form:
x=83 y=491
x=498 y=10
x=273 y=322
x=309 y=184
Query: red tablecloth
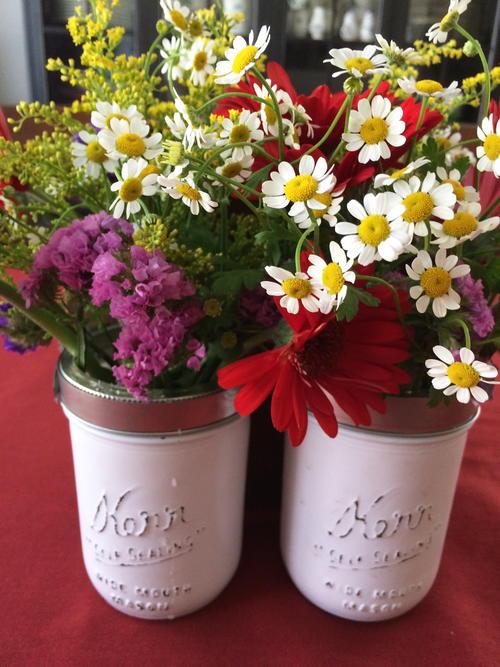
x=51 y=615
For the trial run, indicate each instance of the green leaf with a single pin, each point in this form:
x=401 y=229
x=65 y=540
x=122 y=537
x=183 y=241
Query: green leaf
x=349 y=306
x=231 y=282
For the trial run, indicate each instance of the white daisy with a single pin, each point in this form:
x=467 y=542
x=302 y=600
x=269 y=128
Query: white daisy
x=395 y=54
x=136 y=182
x=331 y=277
x=268 y=115
x=382 y=180
x=372 y=127
x=438 y=32
x=300 y=189
x=358 y=63
x=489 y=153
x=91 y=154
x=170 y=52
x=175 y=13
x=332 y=202
x=463 y=226
x=104 y=113
x=129 y=139
x=429 y=88
x=457 y=153
x=186 y=190
x=445 y=137
x=378 y=235
x=460 y=378
x=237 y=169
x=182 y=128
x=201 y=61
x=435 y=282
x=423 y=199
x=241 y=57
x=463 y=193
x=245 y=128
x=294 y=288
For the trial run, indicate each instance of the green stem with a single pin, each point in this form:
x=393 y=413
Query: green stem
x=397 y=303
x=149 y=54
x=486 y=69
x=425 y=103
x=299 y=247
x=276 y=106
x=465 y=328
x=346 y=127
x=345 y=103
x=490 y=208
x=460 y=143
x=223 y=96
x=43 y=318
x=228 y=181
x=375 y=86
x=222 y=149
x=29 y=229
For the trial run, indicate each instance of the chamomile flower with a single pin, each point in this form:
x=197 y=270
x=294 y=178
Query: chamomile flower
x=237 y=169
x=438 y=32
x=489 y=153
x=358 y=63
x=445 y=138
x=383 y=180
x=300 y=190
x=170 y=52
x=245 y=128
x=294 y=289
x=460 y=378
x=429 y=88
x=372 y=127
x=88 y=152
x=332 y=202
x=463 y=193
x=201 y=61
x=129 y=139
x=241 y=57
x=463 y=226
x=458 y=153
x=105 y=112
x=268 y=116
x=435 y=282
x=186 y=190
x=422 y=200
x=136 y=182
x=378 y=235
x=176 y=14
x=182 y=128
x=395 y=54
x=331 y=277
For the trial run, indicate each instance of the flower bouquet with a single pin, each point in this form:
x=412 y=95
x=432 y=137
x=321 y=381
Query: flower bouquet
x=146 y=218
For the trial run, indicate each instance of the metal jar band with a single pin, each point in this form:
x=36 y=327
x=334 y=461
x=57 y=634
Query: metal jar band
x=111 y=406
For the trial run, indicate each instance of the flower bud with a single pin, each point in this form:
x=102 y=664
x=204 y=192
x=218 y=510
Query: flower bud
x=353 y=86
x=470 y=49
x=161 y=27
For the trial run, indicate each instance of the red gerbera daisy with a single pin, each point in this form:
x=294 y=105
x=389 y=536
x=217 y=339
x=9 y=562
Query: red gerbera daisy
x=350 y=364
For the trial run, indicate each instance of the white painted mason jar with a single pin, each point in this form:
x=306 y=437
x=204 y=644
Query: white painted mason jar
x=365 y=514
x=160 y=488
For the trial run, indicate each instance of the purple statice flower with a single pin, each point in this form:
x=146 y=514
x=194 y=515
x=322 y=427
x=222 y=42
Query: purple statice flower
x=199 y=352
x=256 y=306
x=480 y=314
x=70 y=254
x=8 y=343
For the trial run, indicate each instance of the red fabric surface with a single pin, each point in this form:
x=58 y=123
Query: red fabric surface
x=51 y=615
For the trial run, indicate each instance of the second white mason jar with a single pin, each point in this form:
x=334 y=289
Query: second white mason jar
x=365 y=514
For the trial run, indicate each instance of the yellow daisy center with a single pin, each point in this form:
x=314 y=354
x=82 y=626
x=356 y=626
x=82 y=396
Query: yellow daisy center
x=232 y=169
x=301 y=188
x=461 y=224
x=418 y=207
x=326 y=199
x=374 y=229
x=492 y=146
x=189 y=192
x=463 y=375
x=178 y=19
x=399 y=173
x=270 y=112
x=297 y=288
x=359 y=63
x=131 y=189
x=243 y=58
x=95 y=152
x=115 y=115
x=428 y=86
x=200 y=60
x=239 y=133
x=212 y=307
x=458 y=188
x=228 y=340
x=333 y=278
x=195 y=27
x=150 y=169
x=435 y=281
x=443 y=142
x=374 y=130
x=130 y=144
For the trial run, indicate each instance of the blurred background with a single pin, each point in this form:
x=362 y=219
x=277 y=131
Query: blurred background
x=302 y=32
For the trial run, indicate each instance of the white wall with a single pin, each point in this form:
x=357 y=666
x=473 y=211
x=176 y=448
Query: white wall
x=14 y=68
